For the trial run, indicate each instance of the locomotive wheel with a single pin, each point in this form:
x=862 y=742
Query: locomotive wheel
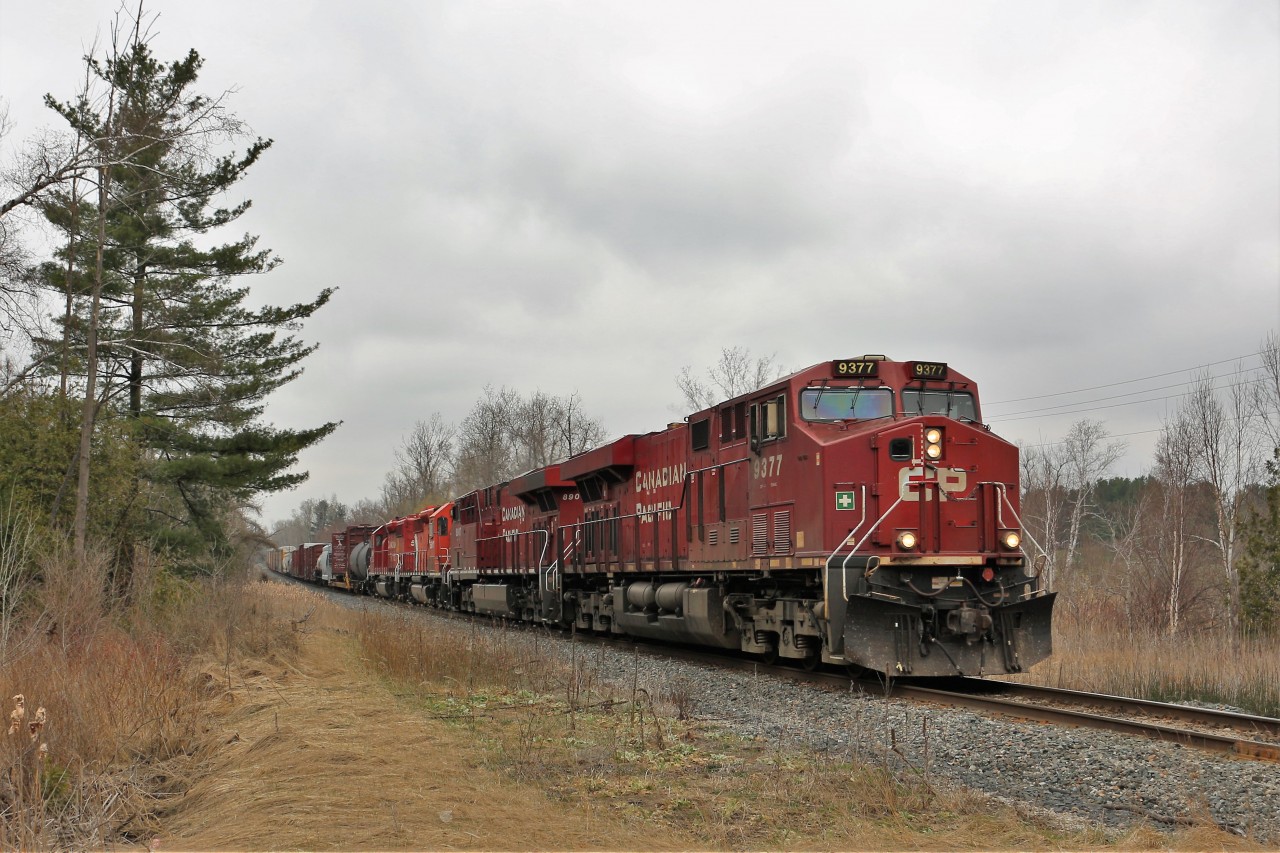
x=770 y=657
x=810 y=662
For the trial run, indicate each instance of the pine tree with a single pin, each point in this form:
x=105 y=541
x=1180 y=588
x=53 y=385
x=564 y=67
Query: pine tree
x=182 y=356
x=1260 y=562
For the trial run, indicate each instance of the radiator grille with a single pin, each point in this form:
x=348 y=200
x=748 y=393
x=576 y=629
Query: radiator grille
x=760 y=533
x=782 y=531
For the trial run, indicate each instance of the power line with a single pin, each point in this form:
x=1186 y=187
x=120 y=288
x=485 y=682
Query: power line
x=1011 y=415
x=1029 y=417
x=1117 y=435
x=1125 y=382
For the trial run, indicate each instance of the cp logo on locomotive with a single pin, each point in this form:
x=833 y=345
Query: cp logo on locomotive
x=949 y=480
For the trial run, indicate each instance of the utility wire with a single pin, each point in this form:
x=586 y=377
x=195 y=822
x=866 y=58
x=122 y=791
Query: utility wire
x=1028 y=417
x=1125 y=382
x=1011 y=415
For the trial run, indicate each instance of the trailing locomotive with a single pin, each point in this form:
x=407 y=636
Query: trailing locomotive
x=856 y=512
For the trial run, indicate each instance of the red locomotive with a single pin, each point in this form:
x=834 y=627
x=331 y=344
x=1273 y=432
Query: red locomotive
x=857 y=513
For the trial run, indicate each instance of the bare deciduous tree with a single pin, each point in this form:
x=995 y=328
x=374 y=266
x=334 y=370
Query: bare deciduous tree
x=19 y=545
x=578 y=430
x=486 y=454
x=737 y=372
x=1044 y=503
x=424 y=465
x=1266 y=393
x=1087 y=457
x=1228 y=462
x=1175 y=472
x=1058 y=482
x=505 y=434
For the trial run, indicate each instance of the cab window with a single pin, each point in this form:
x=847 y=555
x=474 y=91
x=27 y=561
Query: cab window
x=952 y=404
x=769 y=420
x=842 y=404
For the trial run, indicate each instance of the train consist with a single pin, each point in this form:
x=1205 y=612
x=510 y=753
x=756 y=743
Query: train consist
x=856 y=512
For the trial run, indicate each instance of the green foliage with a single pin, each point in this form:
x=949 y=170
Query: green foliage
x=39 y=438
x=1260 y=563
x=55 y=787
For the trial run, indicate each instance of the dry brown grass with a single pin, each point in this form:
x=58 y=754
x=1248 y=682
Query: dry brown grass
x=1093 y=651
x=318 y=753
x=124 y=707
x=118 y=710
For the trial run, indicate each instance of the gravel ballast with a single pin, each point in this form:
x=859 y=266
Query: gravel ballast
x=1096 y=776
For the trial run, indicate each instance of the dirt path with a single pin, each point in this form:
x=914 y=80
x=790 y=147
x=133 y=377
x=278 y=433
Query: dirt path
x=317 y=755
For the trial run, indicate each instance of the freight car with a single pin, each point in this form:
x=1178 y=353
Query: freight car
x=857 y=512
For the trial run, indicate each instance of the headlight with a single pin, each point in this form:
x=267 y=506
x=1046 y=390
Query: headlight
x=907 y=540
x=1011 y=540
x=933 y=443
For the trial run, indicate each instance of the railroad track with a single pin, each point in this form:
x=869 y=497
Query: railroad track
x=1200 y=728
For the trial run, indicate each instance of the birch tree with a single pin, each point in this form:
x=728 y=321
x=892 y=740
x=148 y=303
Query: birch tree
x=1175 y=471
x=1044 y=471
x=1086 y=456
x=1227 y=461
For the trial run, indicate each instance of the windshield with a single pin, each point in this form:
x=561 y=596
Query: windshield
x=953 y=404
x=838 y=404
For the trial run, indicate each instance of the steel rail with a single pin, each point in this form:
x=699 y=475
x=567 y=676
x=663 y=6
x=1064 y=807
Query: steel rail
x=1207 y=716
x=1041 y=713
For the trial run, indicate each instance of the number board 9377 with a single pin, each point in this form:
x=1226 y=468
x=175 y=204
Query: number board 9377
x=928 y=370
x=855 y=367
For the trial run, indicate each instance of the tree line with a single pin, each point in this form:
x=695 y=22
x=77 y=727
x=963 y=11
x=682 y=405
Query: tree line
x=505 y=433
x=135 y=373
x=1194 y=544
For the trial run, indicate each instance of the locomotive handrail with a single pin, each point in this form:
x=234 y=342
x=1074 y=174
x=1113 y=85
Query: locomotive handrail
x=545 y=538
x=855 y=528
x=554 y=568
x=1004 y=495
x=870 y=530
x=844 y=566
x=578 y=526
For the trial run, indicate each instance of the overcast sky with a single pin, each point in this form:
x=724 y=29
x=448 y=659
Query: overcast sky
x=586 y=196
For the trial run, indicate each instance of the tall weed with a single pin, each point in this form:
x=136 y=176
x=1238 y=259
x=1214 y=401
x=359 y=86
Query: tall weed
x=1094 y=650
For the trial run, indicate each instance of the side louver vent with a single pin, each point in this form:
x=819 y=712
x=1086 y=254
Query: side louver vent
x=782 y=531
x=760 y=534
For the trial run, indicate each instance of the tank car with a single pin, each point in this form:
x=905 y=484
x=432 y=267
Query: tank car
x=857 y=512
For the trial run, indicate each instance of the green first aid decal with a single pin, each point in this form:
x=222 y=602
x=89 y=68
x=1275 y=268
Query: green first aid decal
x=844 y=500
